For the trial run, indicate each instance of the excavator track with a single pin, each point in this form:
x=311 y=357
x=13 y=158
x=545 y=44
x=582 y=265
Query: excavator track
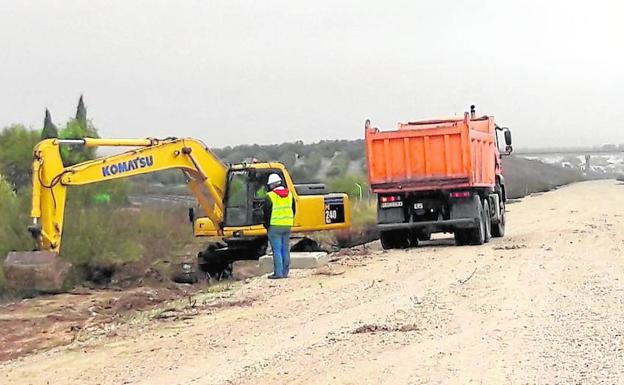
x=216 y=260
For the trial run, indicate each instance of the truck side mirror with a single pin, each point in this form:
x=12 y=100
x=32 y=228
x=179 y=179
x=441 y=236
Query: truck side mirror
x=191 y=214
x=507 y=137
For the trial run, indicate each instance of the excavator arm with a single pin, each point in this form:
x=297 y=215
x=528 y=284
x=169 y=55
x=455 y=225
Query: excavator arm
x=205 y=173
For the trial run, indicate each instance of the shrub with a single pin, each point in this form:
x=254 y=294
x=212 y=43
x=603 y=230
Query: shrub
x=288 y=159
x=363 y=225
x=76 y=129
x=16 y=149
x=101 y=236
x=87 y=195
x=300 y=174
x=15 y=211
x=15 y=219
x=349 y=185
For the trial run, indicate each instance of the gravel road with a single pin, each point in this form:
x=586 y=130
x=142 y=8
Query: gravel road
x=544 y=305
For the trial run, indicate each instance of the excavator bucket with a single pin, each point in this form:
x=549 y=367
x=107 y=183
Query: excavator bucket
x=41 y=271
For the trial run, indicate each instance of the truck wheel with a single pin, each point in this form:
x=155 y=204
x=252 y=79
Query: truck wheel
x=415 y=236
x=394 y=239
x=498 y=229
x=477 y=236
x=487 y=218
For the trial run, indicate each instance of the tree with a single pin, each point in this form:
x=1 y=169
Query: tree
x=16 y=149
x=49 y=129
x=78 y=128
x=15 y=218
x=288 y=159
x=355 y=149
x=339 y=164
x=81 y=112
x=300 y=174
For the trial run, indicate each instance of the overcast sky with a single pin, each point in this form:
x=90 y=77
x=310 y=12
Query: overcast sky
x=234 y=72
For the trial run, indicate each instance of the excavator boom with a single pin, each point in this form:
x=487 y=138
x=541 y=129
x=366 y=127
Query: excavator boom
x=205 y=172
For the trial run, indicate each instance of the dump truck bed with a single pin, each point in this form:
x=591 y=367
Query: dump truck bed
x=432 y=154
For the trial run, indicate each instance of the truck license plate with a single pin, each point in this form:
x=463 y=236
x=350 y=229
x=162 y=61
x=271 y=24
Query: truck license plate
x=418 y=206
x=386 y=205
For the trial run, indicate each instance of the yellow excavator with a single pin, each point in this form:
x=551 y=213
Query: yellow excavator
x=229 y=197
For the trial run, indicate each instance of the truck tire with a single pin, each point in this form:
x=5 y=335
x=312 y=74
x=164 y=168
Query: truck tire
x=476 y=236
x=394 y=239
x=416 y=236
x=498 y=229
x=487 y=219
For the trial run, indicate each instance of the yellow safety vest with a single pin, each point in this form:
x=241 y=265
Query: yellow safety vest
x=282 y=212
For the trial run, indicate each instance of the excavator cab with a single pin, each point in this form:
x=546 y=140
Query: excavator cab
x=245 y=195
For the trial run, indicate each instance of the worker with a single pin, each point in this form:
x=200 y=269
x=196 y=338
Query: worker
x=279 y=215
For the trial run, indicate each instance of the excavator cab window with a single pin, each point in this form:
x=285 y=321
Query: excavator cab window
x=246 y=192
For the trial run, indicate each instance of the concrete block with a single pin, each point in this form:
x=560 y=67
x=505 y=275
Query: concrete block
x=242 y=270
x=35 y=270
x=298 y=260
x=266 y=264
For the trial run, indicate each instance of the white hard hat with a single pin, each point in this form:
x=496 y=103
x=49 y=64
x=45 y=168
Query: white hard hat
x=274 y=178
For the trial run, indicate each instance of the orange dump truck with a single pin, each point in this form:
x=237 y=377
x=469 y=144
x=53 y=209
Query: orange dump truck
x=441 y=175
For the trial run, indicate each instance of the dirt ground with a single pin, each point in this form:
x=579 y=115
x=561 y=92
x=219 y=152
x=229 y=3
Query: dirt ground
x=41 y=323
x=544 y=305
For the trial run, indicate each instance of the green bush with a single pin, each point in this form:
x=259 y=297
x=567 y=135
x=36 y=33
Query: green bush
x=363 y=213
x=313 y=162
x=101 y=236
x=16 y=154
x=87 y=195
x=15 y=219
x=76 y=129
x=308 y=170
x=300 y=174
x=288 y=159
x=355 y=149
x=2 y=281
x=349 y=185
x=15 y=211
